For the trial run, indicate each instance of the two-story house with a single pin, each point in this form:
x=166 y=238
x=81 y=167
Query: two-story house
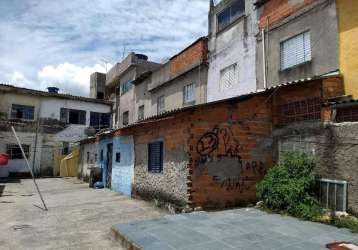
x=45 y=122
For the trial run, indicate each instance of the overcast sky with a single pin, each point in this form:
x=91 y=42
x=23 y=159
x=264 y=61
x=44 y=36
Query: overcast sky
x=61 y=42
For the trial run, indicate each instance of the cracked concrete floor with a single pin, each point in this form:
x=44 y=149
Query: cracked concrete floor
x=78 y=217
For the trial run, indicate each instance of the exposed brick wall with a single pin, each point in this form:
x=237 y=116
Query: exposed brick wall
x=230 y=151
x=191 y=56
x=304 y=94
x=277 y=10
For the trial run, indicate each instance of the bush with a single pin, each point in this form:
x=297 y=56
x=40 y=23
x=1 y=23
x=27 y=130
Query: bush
x=346 y=222
x=289 y=187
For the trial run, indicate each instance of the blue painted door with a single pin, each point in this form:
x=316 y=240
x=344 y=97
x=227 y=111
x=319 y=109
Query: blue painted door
x=123 y=164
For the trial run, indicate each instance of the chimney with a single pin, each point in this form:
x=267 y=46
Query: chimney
x=53 y=90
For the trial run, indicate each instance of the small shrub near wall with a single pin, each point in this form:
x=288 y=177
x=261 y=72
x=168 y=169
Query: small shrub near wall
x=289 y=187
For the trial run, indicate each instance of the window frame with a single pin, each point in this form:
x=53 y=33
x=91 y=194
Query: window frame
x=141 y=113
x=159 y=109
x=24 y=107
x=100 y=117
x=290 y=38
x=232 y=18
x=192 y=87
x=125 y=122
x=126 y=86
x=334 y=182
x=26 y=148
x=156 y=169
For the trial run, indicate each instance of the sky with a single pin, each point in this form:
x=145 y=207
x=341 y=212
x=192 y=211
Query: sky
x=61 y=42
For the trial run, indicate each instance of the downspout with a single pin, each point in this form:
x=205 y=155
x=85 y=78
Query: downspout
x=264 y=56
x=267 y=48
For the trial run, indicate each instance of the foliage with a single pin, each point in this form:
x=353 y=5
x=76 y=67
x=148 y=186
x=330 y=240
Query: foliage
x=289 y=187
x=349 y=222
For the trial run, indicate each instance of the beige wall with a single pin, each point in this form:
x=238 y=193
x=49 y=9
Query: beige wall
x=173 y=91
x=7 y=99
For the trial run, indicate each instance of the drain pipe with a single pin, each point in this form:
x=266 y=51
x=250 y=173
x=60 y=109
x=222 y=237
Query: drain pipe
x=264 y=56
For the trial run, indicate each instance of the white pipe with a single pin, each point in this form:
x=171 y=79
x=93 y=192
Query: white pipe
x=264 y=56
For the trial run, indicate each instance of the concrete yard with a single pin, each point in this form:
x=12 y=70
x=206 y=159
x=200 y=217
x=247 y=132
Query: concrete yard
x=232 y=229
x=78 y=217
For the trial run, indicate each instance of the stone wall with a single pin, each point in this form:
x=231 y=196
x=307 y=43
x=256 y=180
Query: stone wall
x=334 y=144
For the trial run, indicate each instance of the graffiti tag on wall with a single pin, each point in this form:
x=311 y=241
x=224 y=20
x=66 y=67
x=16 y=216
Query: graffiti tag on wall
x=220 y=157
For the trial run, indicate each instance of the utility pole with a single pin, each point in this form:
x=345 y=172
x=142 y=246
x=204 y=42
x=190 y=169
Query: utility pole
x=36 y=140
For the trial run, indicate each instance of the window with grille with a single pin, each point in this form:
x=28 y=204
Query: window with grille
x=141 y=113
x=228 y=77
x=296 y=50
x=22 y=112
x=305 y=110
x=189 y=93
x=333 y=195
x=161 y=104
x=155 y=157
x=14 y=151
x=125 y=118
x=230 y=14
x=348 y=114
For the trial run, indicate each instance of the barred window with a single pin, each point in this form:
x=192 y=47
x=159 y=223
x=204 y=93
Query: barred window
x=125 y=118
x=141 y=113
x=348 y=114
x=155 y=157
x=305 y=110
x=333 y=194
x=228 y=77
x=14 y=151
x=161 y=104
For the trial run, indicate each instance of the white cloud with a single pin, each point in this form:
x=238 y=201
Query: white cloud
x=44 y=39
x=68 y=77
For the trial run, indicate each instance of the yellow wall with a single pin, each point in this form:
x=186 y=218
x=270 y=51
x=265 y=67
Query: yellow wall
x=348 y=41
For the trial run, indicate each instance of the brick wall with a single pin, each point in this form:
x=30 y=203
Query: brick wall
x=277 y=10
x=193 y=55
x=229 y=152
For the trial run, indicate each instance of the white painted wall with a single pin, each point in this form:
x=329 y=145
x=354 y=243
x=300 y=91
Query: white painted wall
x=50 y=107
x=236 y=44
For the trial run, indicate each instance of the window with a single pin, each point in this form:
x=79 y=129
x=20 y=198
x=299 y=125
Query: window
x=125 y=118
x=230 y=14
x=333 y=194
x=22 y=112
x=347 y=114
x=155 y=157
x=65 y=148
x=102 y=155
x=141 y=113
x=304 y=110
x=188 y=93
x=14 y=151
x=126 y=86
x=73 y=116
x=228 y=77
x=296 y=50
x=161 y=104
x=100 y=120
x=118 y=157
x=88 y=157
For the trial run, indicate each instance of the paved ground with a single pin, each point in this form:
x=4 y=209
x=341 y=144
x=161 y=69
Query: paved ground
x=232 y=229
x=78 y=217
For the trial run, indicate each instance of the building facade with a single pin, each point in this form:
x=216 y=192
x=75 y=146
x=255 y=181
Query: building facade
x=232 y=49
x=294 y=43
x=119 y=86
x=45 y=121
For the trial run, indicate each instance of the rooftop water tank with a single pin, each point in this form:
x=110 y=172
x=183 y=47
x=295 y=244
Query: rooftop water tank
x=53 y=90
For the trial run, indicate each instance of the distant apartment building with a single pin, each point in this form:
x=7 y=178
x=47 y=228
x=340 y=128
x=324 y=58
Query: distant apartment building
x=232 y=49
x=117 y=86
x=179 y=83
x=297 y=40
x=58 y=121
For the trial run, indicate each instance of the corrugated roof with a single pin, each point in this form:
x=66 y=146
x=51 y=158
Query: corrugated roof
x=236 y=98
x=13 y=89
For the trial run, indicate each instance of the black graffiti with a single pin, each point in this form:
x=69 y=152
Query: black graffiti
x=257 y=167
x=221 y=140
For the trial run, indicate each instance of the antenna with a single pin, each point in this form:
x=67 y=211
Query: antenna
x=124 y=51
x=105 y=62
